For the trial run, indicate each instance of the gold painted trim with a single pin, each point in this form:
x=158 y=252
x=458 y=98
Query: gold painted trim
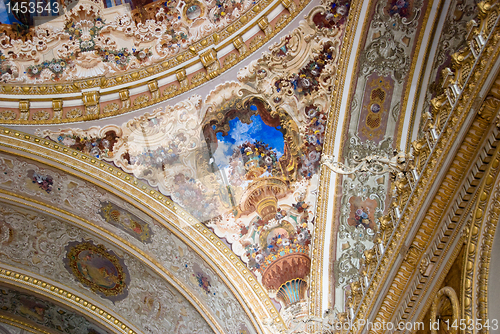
x=328 y=147
x=251 y=292
x=123 y=244
x=440 y=152
x=62 y=295
x=149 y=71
x=170 y=228
x=475 y=244
x=22 y=325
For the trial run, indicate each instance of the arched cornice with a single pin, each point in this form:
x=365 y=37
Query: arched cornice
x=42 y=286
x=217 y=254
x=448 y=167
x=324 y=233
x=27 y=327
x=104 y=234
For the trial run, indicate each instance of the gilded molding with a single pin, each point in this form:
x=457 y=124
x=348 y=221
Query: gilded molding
x=317 y=275
x=248 y=291
x=111 y=238
x=407 y=89
x=22 y=325
x=465 y=99
x=63 y=295
x=218 y=41
x=447 y=292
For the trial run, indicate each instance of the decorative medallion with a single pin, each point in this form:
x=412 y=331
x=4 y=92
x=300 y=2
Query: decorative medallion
x=125 y=221
x=99 y=269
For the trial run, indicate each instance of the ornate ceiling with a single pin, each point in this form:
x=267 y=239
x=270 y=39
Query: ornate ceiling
x=234 y=166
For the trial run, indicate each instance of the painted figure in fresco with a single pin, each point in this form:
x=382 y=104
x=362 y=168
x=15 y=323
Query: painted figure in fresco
x=96 y=269
x=400 y=7
x=361 y=217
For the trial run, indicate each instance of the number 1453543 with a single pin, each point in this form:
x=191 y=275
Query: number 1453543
x=38 y=7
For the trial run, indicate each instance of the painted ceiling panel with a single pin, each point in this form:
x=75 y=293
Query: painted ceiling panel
x=451 y=40
x=244 y=160
x=114 y=216
x=69 y=255
x=236 y=167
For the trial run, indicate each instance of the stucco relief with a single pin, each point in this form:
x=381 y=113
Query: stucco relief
x=39 y=246
x=8 y=329
x=244 y=160
x=363 y=202
x=98 y=268
x=87 y=201
x=90 y=40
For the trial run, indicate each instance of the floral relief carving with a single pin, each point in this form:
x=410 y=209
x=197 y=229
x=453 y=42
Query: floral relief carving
x=40 y=247
x=244 y=160
x=123 y=220
x=89 y=43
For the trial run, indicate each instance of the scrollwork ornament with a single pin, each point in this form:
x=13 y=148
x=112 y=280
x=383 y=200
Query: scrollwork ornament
x=407 y=25
x=372 y=164
x=386 y=56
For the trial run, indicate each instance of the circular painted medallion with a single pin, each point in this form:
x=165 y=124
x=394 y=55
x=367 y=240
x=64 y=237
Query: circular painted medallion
x=98 y=268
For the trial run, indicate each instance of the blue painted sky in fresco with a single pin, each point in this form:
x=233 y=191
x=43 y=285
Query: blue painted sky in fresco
x=240 y=133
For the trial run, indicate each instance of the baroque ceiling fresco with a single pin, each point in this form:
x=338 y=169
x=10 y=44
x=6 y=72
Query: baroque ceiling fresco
x=161 y=173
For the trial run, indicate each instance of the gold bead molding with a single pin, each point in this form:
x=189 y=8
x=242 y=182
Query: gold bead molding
x=169 y=67
x=248 y=291
x=70 y=299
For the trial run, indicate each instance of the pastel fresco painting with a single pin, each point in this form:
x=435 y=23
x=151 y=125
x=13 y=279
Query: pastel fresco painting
x=44 y=182
x=99 y=269
x=362 y=212
x=125 y=221
x=248 y=152
x=202 y=279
